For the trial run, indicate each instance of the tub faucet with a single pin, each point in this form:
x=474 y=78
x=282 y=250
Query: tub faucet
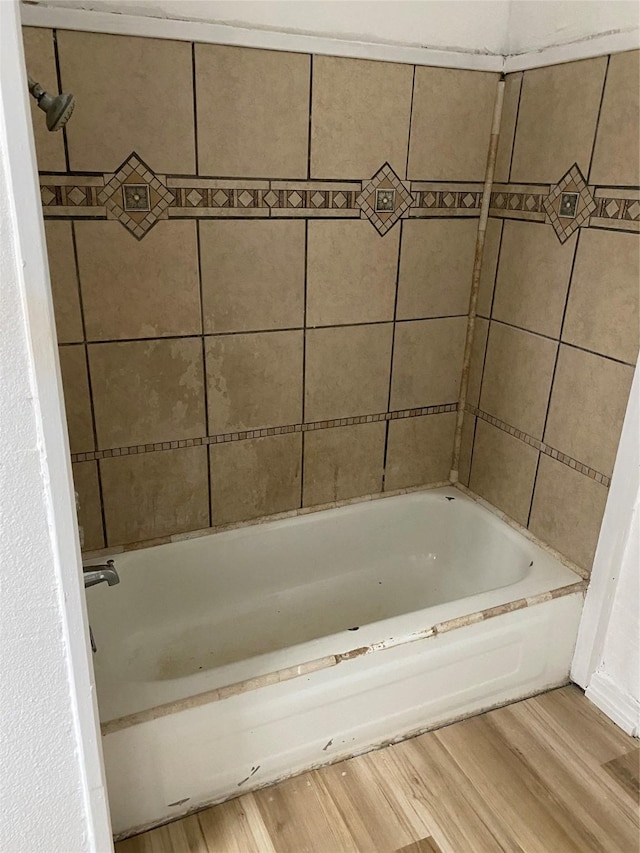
x=97 y=574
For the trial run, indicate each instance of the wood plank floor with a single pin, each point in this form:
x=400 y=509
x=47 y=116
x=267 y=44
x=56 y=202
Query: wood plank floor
x=547 y=775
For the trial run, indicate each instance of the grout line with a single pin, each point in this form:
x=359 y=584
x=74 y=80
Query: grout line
x=515 y=126
x=204 y=370
x=392 y=353
x=413 y=89
x=597 y=127
x=304 y=355
x=59 y=81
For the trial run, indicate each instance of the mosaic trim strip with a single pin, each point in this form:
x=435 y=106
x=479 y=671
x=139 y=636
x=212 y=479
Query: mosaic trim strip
x=217 y=694
x=222 y=438
x=518 y=201
x=439 y=199
x=616 y=209
x=541 y=446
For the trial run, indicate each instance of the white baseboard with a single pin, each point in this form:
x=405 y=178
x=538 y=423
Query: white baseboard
x=617 y=705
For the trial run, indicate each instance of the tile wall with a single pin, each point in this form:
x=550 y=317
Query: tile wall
x=261 y=265
x=558 y=330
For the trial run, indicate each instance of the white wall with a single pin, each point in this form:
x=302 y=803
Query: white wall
x=534 y=25
x=51 y=792
x=469 y=25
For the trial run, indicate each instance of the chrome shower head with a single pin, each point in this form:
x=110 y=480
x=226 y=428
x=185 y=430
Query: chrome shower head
x=57 y=108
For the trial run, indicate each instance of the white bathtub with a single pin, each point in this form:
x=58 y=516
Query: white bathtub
x=228 y=661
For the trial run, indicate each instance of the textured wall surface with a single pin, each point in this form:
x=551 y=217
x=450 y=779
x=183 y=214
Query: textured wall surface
x=261 y=286
x=558 y=334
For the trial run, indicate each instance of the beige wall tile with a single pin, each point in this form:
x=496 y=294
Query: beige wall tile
x=75 y=382
x=344 y=462
x=347 y=371
x=517 y=378
x=41 y=65
x=503 y=470
x=602 y=313
x=588 y=403
x=436 y=265
x=557 y=120
x=147 y=391
x=64 y=281
x=489 y=266
x=85 y=481
x=567 y=511
x=508 y=126
x=466 y=448
x=351 y=274
x=255 y=477
x=616 y=158
x=419 y=450
x=427 y=361
x=252 y=275
x=253 y=112
x=132 y=94
x=478 y=349
x=155 y=494
x=533 y=277
x=451 y=124
x=254 y=380
x=360 y=117
x=139 y=289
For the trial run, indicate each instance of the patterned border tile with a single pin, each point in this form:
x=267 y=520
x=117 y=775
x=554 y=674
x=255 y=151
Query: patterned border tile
x=518 y=201
x=441 y=199
x=541 y=446
x=222 y=438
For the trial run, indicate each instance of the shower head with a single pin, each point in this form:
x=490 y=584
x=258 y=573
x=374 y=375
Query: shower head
x=57 y=108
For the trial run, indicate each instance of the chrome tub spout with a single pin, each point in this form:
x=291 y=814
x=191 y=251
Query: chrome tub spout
x=101 y=574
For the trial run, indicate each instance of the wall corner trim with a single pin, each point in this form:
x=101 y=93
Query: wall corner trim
x=617 y=705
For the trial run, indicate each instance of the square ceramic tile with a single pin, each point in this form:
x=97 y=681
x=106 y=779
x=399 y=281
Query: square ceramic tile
x=252 y=275
x=567 y=511
x=40 y=60
x=157 y=494
x=557 y=120
x=347 y=371
x=139 y=289
x=351 y=273
x=64 y=281
x=533 y=277
x=451 y=124
x=147 y=391
x=343 y=462
x=466 y=448
x=503 y=470
x=87 y=487
x=476 y=367
x=436 y=265
x=517 y=378
x=132 y=94
x=588 y=403
x=427 y=362
x=255 y=477
x=492 y=241
x=254 y=380
x=77 y=400
x=359 y=117
x=253 y=112
x=602 y=313
x=508 y=126
x=616 y=158
x=419 y=451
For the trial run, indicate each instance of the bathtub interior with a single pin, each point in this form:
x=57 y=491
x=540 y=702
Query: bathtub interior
x=210 y=611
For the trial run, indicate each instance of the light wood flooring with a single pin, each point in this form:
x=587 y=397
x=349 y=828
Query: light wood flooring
x=547 y=775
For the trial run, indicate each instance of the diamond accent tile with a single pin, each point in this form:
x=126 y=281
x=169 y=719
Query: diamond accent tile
x=384 y=181
x=135 y=178
x=76 y=196
x=633 y=211
x=47 y=195
x=571 y=187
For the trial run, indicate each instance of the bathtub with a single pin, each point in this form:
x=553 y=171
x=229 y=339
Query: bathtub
x=229 y=661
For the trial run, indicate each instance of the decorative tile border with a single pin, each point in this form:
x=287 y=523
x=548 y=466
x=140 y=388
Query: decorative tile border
x=223 y=438
x=443 y=199
x=541 y=446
